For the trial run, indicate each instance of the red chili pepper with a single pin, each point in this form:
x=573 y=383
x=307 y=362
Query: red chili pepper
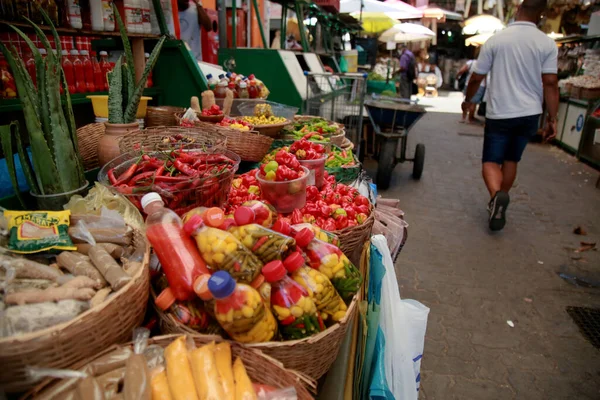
x=160 y=170
x=111 y=177
x=139 y=177
x=172 y=179
x=186 y=169
x=288 y=320
x=259 y=243
x=126 y=176
x=184 y=157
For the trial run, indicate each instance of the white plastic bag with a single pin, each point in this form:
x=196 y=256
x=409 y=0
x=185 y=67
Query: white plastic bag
x=403 y=323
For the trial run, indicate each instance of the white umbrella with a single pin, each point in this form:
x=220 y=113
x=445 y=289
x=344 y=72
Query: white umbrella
x=478 y=40
x=396 y=11
x=406 y=32
x=482 y=24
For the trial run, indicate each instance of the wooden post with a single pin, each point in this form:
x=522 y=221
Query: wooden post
x=139 y=61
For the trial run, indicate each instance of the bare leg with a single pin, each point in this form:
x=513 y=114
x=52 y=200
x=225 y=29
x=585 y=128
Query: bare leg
x=492 y=176
x=509 y=174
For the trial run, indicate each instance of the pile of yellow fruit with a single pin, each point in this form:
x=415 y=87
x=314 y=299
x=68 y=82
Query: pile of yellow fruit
x=262 y=120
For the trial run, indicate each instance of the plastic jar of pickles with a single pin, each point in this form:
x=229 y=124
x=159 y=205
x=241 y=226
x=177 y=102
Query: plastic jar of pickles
x=222 y=251
x=329 y=303
x=285 y=228
x=240 y=310
x=295 y=310
x=264 y=243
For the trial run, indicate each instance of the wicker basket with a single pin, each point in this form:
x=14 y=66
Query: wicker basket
x=162 y=116
x=154 y=138
x=87 y=138
x=303 y=118
x=353 y=238
x=260 y=367
x=250 y=146
x=347 y=144
x=312 y=356
x=590 y=94
x=271 y=130
x=338 y=138
x=89 y=333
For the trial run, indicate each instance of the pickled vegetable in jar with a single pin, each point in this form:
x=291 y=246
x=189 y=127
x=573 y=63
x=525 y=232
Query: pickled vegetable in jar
x=264 y=214
x=332 y=262
x=330 y=305
x=222 y=251
x=294 y=309
x=240 y=310
x=319 y=233
x=264 y=243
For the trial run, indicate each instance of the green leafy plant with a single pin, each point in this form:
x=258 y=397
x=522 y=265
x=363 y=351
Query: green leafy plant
x=123 y=93
x=57 y=166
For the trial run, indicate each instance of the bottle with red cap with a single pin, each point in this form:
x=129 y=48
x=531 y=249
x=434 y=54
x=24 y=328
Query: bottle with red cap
x=294 y=309
x=319 y=233
x=329 y=260
x=240 y=310
x=264 y=214
x=181 y=262
x=105 y=67
x=80 y=85
x=67 y=67
x=98 y=77
x=330 y=305
x=264 y=243
x=88 y=71
x=219 y=248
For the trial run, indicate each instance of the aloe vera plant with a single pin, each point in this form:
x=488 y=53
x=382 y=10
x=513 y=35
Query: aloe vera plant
x=57 y=166
x=123 y=93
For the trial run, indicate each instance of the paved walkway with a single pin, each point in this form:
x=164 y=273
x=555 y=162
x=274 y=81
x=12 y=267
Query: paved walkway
x=475 y=281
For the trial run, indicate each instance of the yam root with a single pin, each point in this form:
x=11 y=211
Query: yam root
x=109 y=362
x=89 y=389
x=110 y=382
x=228 y=102
x=79 y=265
x=137 y=379
x=80 y=282
x=120 y=236
x=51 y=294
x=114 y=250
x=28 y=269
x=195 y=104
x=100 y=296
x=108 y=267
x=208 y=99
x=33 y=317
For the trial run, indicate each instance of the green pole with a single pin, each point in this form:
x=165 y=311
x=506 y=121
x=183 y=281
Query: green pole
x=260 y=24
x=283 y=24
x=233 y=27
x=300 y=16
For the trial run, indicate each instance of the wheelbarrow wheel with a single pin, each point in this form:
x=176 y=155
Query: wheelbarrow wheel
x=419 y=161
x=386 y=164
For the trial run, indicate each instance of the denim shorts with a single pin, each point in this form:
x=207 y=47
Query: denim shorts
x=505 y=139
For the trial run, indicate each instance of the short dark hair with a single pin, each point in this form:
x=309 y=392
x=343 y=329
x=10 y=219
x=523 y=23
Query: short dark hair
x=534 y=6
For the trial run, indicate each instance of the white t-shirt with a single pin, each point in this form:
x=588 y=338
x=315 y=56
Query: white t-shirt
x=190 y=30
x=516 y=57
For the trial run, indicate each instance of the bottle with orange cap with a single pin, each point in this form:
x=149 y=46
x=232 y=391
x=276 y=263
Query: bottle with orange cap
x=295 y=310
x=240 y=310
x=220 y=249
x=264 y=243
x=330 y=305
x=330 y=261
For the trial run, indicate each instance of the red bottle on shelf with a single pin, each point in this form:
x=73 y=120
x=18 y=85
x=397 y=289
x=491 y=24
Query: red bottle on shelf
x=149 y=82
x=67 y=66
x=80 y=86
x=88 y=71
x=106 y=67
x=98 y=77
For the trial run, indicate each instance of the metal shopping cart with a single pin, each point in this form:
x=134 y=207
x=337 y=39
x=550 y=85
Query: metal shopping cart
x=392 y=119
x=339 y=98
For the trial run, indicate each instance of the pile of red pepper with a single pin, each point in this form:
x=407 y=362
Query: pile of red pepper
x=183 y=179
x=306 y=150
x=335 y=207
x=285 y=167
x=243 y=188
x=213 y=110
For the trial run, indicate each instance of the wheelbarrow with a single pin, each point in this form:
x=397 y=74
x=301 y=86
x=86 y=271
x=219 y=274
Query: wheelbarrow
x=392 y=119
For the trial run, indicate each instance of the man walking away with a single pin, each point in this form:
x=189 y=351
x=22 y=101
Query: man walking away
x=191 y=17
x=522 y=62
x=407 y=72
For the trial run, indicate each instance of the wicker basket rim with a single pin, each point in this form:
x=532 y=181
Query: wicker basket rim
x=281 y=124
x=99 y=308
x=357 y=227
x=179 y=115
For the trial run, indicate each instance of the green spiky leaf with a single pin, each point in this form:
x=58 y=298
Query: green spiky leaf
x=125 y=86
x=115 y=97
x=26 y=164
x=126 y=48
x=7 y=149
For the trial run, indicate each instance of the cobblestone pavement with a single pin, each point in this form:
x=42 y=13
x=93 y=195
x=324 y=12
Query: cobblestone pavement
x=475 y=281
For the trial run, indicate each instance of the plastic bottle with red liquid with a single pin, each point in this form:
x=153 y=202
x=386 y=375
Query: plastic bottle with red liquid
x=80 y=86
x=67 y=67
x=30 y=65
x=88 y=71
x=149 y=82
x=180 y=259
x=253 y=89
x=105 y=67
x=98 y=77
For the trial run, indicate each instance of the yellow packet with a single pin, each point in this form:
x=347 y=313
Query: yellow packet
x=36 y=231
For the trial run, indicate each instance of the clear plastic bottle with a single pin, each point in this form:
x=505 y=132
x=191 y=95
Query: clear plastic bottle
x=108 y=16
x=80 y=86
x=243 y=91
x=212 y=82
x=131 y=7
x=74 y=14
x=98 y=77
x=145 y=16
x=67 y=66
x=253 y=91
x=221 y=90
x=180 y=259
x=105 y=67
x=88 y=71
x=97 y=15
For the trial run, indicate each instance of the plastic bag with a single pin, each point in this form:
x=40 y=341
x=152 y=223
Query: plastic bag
x=288 y=393
x=137 y=375
x=320 y=234
x=403 y=323
x=36 y=231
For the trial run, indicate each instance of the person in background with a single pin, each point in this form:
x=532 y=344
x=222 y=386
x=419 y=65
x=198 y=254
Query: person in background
x=522 y=61
x=469 y=110
x=407 y=72
x=191 y=17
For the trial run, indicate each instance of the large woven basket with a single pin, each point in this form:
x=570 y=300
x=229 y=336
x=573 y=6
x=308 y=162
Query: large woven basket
x=155 y=138
x=89 y=333
x=261 y=369
x=250 y=146
x=87 y=138
x=162 y=116
x=353 y=238
x=312 y=356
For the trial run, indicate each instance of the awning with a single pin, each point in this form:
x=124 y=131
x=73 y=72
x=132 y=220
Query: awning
x=396 y=10
x=433 y=11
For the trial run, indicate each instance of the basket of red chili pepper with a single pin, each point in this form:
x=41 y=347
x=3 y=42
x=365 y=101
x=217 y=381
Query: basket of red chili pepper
x=185 y=178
